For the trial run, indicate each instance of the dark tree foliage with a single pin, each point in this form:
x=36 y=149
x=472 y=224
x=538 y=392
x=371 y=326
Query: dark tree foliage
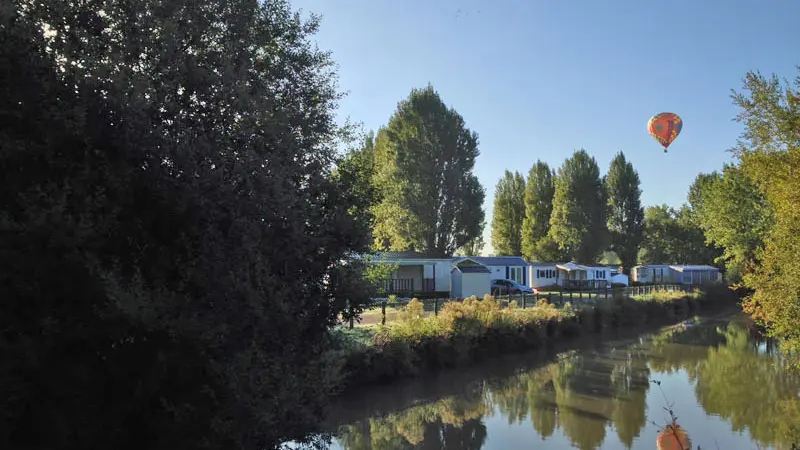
x=356 y=169
x=473 y=247
x=170 y=232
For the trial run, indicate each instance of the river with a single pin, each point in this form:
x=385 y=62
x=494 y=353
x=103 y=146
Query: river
x=725 y=384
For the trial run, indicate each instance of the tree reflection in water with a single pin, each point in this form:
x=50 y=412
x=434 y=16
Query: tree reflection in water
x=736 y=375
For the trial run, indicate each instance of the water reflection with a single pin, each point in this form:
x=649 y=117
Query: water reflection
x=604 y=398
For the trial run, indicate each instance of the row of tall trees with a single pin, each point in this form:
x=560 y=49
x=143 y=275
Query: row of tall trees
x=417 y=175
x=570 y=214
x=750 y=209
x=577 y=214
x=418 y=192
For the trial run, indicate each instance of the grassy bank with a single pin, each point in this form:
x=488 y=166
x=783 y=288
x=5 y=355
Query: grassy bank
x=469 y=331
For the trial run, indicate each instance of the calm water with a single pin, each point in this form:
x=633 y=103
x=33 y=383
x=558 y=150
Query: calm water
x=725 y=384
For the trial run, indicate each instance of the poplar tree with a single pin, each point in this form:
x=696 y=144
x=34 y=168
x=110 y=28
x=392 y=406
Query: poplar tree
x=625 y=212
x=539 y=192
x=430 y=199
x=508 y=214
x=578 y=220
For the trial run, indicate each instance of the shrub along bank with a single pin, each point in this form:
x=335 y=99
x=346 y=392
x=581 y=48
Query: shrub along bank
x=468 y=331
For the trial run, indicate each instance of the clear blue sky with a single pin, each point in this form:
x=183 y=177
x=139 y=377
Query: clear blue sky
x=539 y=79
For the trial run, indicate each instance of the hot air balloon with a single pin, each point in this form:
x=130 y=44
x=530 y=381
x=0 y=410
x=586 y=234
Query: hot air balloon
x=665 y=127
x=673 y=437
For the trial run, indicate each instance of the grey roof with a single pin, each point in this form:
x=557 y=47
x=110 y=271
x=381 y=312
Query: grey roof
x=678 y=267
x=408 y=255
x=572 y=265
x=681 y=268
x=472 y=269
x=499 y=260
x=400 y=256
x=592 y=265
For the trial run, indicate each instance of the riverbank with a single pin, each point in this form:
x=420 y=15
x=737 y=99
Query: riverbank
x=467 y=332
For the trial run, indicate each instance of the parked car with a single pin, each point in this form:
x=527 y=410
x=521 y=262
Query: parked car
x=506 y=287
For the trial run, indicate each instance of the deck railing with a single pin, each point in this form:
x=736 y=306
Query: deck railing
x=397 y=285
x=584 y=284
x=408 y=286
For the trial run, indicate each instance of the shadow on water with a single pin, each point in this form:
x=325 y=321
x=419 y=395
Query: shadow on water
x=726 y=382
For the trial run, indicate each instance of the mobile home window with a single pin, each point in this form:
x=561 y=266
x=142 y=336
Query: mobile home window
x=545 y=273
x=516 y=274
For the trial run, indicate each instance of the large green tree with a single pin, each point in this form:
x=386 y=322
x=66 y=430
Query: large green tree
x=769 y=151
x=539 y=192
x=170 y=229
x=672 y=237
x=430 y=199
x=578 y=220
x=734 y=216
x=625 y=212
x=508 y=214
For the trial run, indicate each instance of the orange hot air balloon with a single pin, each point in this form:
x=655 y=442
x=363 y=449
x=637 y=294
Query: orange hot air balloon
x=673 y=437
x=665 y=127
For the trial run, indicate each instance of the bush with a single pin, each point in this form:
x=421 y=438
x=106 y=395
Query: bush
x=413 y=313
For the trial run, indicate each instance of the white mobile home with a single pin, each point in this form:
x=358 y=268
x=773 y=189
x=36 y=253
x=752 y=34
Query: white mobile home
x=502 y=267
x=583 y=276
x=415 y=273
x=652 y=274
x=468 y=279
x=695 y=275
x=542 y=275
x=675 y=273
x=570 y=275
